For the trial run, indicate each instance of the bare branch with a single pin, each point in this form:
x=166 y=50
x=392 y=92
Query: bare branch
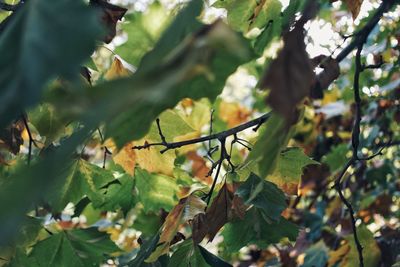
x=220 y=136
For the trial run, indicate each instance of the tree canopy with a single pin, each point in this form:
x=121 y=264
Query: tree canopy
x=200 y=133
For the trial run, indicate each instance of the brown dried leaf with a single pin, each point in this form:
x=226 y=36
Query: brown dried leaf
x=354 y=6
x=187 y=209
x=224 y=208
x=11 y=137
x=110 y=14
x=330 y=73
x=199 y=227
x=290 y=75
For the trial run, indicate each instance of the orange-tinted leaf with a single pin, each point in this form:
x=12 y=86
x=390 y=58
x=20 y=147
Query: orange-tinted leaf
x=289 y=76
x=110 y=14
x=354 y=6
x=126 y=158
x=117 y=70
x=199 y=167
x=233 y=113
x=185 y=210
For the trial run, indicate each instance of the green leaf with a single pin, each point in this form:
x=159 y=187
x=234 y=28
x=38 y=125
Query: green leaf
x=316 y=255
x=119 y=195
x=212 y=259
x=145 y=251
x=289 y=169
x=197 y=67
x=246 y=15
x=371 y=250
x=264 y=195
x=29 y=231
x=188 y=254
x=254 y=229
x=21 y=259
x=272 y=30
x=336 y=158
x=143 y=29
x=87 y=247
x=83 y=178
x=147 y=223
x=47 y=122
x=28 y=184
x=155 y=191
x=270 y=142
x=43 y=40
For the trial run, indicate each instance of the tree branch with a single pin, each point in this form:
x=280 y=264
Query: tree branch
x=220 y=136
x=360 y=36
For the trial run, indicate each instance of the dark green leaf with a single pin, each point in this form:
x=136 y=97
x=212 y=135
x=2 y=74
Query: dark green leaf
x=316 y=255
x=39 y=43
x=188 y=254
x=145 y=251
x=264 y=195
x=83 y=178
x=87 y=247
x=254 y=229
x=119 y=195
x=213 y=260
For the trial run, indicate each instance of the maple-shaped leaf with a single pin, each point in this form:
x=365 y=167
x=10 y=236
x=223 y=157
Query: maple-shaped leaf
x=224 y=208
x=110 y=15
x=254 y=229
x=289 y=169
x=264 y=195
x=119 y=194
x=155 y=191
x=185 y=210
x=51 y=38
x=174 y=127
x=78 y=248
x=290 y=76
x=82 y=178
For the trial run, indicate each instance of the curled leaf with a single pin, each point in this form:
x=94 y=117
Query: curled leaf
x=110 y=14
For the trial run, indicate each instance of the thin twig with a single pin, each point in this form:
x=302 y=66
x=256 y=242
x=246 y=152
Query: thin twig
x=221 y=135
x=31 y=140
x=355 y=135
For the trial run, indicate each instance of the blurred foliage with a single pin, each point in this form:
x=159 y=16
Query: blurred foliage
x=82 y=83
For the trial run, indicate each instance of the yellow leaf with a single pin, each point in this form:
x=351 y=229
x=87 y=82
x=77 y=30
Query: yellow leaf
x=233 y=113
x=117 y=70
x=330 y=96
x=126 y=158
x=152 y=160
x=354 y=6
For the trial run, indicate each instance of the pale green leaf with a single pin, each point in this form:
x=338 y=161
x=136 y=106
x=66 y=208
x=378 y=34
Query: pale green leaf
x=155 y=191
